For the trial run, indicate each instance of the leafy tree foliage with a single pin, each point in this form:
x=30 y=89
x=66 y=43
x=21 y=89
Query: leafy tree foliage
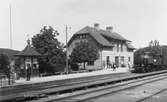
x=84 y=52
x=153 y=43
x=47 y=44
x=4 y=64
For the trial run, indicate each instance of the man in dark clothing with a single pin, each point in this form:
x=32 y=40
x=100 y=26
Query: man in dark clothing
x=114 y=66
x=28 y=72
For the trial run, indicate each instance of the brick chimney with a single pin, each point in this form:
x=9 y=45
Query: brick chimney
x=96 y=26
x=109 y=28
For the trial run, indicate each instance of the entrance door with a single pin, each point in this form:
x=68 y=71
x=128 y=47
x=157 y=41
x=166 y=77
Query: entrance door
x=117 y=60
x=108 y=61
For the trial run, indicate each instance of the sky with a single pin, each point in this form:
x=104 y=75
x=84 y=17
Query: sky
x=139 y=21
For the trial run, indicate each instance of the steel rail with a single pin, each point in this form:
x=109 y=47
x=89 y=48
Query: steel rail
x=105 y=86
x=40 y=88
x=64 y=89
x=125 y=87
x=51 y=84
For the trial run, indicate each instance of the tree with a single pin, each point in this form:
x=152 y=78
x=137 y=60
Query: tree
x=5 y=65
x=84 y=52
x=47 y=44
x=153 y=43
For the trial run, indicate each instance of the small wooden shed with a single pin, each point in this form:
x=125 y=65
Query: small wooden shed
x=29 y=56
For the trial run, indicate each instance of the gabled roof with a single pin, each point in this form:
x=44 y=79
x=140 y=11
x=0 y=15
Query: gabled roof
x=28 y=51
x=98 y=35
x=95 y=34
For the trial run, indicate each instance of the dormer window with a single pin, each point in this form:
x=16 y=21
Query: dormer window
x=81 y=36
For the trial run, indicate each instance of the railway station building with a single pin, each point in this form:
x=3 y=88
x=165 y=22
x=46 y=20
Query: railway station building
x=112 y=47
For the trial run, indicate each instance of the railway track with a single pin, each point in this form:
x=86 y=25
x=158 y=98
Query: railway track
x=92 y=94
x=85 y=91
x=38 y=89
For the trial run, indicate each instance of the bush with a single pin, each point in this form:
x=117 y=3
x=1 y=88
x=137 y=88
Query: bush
x=74 y=67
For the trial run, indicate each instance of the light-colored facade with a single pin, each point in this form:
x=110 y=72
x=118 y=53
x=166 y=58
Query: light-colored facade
x=113 y=48
x=121 y=58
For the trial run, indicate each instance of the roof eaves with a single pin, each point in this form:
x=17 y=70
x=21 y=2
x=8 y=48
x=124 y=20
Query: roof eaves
x=130 y=46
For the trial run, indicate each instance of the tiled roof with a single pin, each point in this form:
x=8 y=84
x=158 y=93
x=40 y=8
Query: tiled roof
x=97 y=34
x=28 y=51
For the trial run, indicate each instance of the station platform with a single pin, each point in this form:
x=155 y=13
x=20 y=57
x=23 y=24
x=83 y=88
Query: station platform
x=70 y=76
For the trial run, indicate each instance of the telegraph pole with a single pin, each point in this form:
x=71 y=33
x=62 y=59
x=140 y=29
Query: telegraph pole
x=161 y=54
x=67 y=70
x=10 y=26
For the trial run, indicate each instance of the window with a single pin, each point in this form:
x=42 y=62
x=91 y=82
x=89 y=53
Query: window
x=117 y=47
x=84 y=36
x=121 y=47
x=122 y=58
x=77 y=37
x=130 y=50
x=91 y=63
x=34 y=66
x=129 y=59
x=80 y=36
x=108 y=59
x=117 y=60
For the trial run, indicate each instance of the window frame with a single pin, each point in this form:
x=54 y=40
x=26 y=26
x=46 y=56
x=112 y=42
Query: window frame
x=129 y=59
x=91 y=63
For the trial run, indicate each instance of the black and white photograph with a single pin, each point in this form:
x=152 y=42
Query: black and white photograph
x=83 y=50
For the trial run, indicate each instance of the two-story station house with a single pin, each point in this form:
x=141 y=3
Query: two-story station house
x=113 y=48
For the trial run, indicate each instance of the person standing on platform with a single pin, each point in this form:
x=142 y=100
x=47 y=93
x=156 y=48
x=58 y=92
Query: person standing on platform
x=28 y=72
x=114 y=66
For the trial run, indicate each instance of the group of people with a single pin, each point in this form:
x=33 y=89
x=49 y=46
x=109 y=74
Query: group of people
x=114 y=66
